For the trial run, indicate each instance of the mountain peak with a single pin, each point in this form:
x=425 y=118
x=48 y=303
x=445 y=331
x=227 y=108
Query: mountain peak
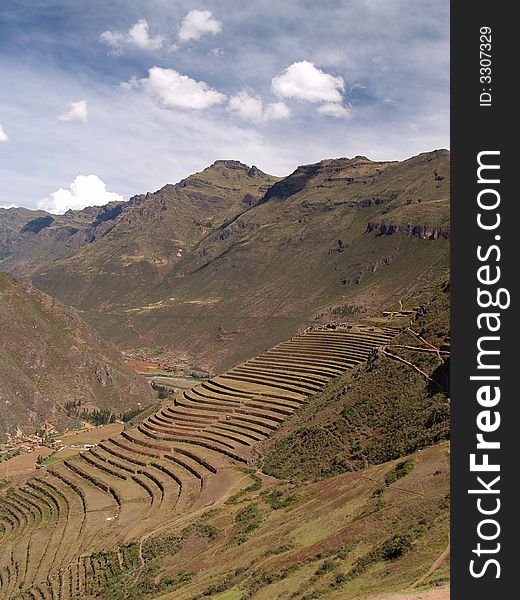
x=230 y=164
x=236 y=165
x=227 y=173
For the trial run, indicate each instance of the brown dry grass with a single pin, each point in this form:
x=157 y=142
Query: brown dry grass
x=92 y=435
x=440 y=593
x=22 y=465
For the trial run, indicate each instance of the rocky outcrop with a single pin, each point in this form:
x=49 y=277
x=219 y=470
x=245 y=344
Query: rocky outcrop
x=249 y=200
x=236 y=227
x=232 y=164
x=424 y=232
x=254 y=172
x=373 y=267
x=293 y=184
x=108 y=213
x=36 y=225
x=368 y=202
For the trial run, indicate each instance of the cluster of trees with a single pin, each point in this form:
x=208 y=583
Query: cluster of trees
x=101 y=416
x=130 y=414
x=98 y=417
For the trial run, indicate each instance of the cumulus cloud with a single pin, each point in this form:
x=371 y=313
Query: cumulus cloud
x=251 y=108
x=304 y=81
x=171 y=90
x=8 y=206
x=3 y=135
x=78 y=113
x=197 y=23
x=276 y=110
x=138 y=35
x=334 y=109
x=85 y=190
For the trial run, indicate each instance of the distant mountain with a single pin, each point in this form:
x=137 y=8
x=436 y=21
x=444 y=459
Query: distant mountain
x=49 y=357
x=186 y=211
x=227 y=262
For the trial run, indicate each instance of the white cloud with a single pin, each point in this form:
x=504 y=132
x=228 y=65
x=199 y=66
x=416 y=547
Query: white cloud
x=197 y=23
x=7 y=206
x=78 y=113
x=304 y=81
x=138 y=35
x=115 y=39
x=174 y=91
x=85 y=190
x=277 y=110
x=248 y=108
x=3 y=135
x=334 y=109
x=251 y=108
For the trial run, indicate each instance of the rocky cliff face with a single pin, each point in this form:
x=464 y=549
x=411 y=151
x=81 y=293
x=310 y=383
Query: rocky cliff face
x=48 y=357
x=423 y=232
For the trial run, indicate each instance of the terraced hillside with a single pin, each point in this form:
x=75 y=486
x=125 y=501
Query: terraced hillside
x=84 y=522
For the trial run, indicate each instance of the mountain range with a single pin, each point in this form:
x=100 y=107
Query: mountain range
x=316 y=466
x=229 y=261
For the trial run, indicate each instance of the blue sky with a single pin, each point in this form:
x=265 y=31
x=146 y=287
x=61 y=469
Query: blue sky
x=136 y=94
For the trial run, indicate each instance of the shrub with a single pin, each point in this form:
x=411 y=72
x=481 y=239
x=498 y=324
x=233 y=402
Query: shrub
x=327 y=565
x=400 y=470
x=276 y=500
x=246 y=520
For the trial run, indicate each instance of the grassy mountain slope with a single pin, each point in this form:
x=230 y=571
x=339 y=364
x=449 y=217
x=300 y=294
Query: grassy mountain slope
x=228 y=262
x=349 y=537
x=32 y=239
x=178 y=508
x=49 y=357
x=376 y=412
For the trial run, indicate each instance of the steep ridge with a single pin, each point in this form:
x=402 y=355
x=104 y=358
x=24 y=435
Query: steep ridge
x=233 y=255
x=48 y=357
x=134 y=241
x=85 y=521
x=12 y=222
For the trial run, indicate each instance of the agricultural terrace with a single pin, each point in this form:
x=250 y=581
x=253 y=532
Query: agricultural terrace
x=64 y=531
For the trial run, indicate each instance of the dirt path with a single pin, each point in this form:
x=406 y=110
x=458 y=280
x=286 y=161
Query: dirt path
x=440 y=593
